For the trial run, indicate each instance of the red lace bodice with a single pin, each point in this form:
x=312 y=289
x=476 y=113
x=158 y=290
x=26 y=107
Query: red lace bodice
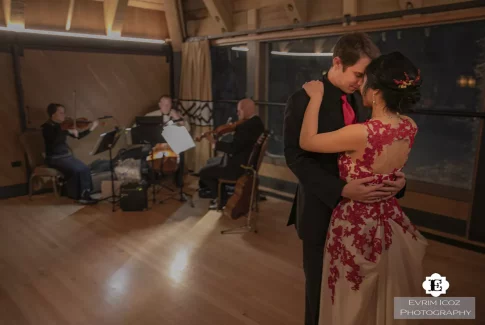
x=363 y=229
x=379 y=135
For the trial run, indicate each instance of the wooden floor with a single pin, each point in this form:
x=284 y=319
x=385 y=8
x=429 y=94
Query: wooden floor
x=61 y=263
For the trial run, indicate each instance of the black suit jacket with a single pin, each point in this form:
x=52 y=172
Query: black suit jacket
x=245 y=136
x=320 y=187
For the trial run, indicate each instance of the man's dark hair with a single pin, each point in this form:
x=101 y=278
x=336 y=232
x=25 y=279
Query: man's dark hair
x=52 y=108
x=164 y=96
x=351 y=47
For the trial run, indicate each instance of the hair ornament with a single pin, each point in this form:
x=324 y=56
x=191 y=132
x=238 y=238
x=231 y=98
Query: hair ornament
x=403 y=84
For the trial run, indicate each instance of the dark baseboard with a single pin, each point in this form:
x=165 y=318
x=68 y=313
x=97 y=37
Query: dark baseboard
x=433 y=221
x=278 y=184
x=13 y=191
x=437 y=222
x=7 y=192
x=454 y=242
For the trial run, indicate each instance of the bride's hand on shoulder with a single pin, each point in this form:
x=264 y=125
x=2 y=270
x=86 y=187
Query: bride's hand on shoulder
x=314 y=88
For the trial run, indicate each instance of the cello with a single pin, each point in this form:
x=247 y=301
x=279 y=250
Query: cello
x=241 y=202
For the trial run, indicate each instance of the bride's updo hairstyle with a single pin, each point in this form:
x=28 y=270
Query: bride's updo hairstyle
x=398 y=80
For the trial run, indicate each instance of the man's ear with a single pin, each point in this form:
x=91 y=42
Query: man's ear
x=337 y=62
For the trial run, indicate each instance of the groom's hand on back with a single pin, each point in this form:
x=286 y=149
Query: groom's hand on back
x=358 y=190
x=394 y=187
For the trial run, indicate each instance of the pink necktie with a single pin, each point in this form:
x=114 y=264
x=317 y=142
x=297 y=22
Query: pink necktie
x=349 y=114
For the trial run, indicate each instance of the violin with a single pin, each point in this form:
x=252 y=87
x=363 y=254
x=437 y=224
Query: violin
x=220 y=130
x=79 y=123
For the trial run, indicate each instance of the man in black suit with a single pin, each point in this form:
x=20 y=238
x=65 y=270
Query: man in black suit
x=320 y=188
x=236 y=152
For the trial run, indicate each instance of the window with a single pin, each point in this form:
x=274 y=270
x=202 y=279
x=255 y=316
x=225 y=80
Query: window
x=448 y=56
x=228 y=80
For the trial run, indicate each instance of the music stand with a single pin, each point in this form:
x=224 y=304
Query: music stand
x=180 y=141
x=107 y=141
x=149 y=132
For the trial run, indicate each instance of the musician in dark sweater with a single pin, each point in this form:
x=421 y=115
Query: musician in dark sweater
x=58 y=155
x=236 y=152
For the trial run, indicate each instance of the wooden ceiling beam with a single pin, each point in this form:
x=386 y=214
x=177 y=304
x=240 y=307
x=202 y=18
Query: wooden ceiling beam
x=70 y=12
x=145 y=4
x=14 y=11
x=221 y=13
x=256 y=4
x=174 y=24
x=114 y=14
x=296 y=10
x=151 y=5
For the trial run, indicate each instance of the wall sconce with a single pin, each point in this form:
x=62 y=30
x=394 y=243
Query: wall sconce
x=466 y=81
x=472 y=82
x=462 y=81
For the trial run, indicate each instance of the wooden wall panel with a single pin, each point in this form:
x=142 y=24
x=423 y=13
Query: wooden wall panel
x=367 y=7
x=192 y=5
x=272 y=16
x=145 y=23
x=325 y=9
x=88 y=17
x=2 y=17
x=202 y=27
x=46 y=14
x=271 y=13
x=427 y=3
x=123 y=86
x=10 y=147
x=245 y=5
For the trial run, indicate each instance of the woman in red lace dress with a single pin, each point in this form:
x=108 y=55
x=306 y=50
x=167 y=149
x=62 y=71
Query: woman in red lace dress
x=373 y=252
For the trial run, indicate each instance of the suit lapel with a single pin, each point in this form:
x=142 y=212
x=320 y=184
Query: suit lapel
x=330 y=117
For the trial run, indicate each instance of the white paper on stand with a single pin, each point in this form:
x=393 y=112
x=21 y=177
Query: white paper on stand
x=178 y=138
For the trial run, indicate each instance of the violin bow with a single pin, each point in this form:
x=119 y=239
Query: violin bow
x=75 y=110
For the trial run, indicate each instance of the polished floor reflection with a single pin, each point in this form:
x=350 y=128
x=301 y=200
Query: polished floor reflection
x=64 y=264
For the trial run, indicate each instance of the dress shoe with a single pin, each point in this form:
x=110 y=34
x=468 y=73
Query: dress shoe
x=86 y=198
x=205 y=194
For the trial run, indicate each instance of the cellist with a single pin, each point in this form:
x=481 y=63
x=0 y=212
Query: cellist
x=170 y=114
x=236 y=152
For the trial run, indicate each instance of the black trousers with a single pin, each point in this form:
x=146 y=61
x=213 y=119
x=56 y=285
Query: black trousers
x=76 y=173
x=313 y=267
x=213 y=171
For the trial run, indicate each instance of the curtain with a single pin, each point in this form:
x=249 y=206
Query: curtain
x=196 y=98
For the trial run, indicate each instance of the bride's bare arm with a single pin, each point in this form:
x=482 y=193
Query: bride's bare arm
x=349 y=138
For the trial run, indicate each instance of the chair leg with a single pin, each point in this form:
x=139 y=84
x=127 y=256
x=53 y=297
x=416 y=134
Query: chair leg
x=219 y=198
x=30 y=186
x=54 y=184
x=256 y=204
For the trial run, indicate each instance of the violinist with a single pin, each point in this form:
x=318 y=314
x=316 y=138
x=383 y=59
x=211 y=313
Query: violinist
x=58 y=155
x=236 y=152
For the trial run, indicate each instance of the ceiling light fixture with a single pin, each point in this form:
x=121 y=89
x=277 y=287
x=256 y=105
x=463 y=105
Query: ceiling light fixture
x=301 y=53
x=239 y=48
x=81 y=35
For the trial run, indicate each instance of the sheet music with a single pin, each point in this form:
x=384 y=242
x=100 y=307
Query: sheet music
x=178 y=138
